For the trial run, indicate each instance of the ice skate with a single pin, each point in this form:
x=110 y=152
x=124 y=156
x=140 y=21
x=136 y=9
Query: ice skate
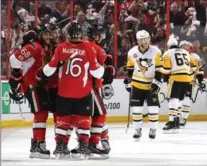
x=38 y=150
x=33 y=148
x=106 y=147
x=170 y=128
x=61 y=150
x=137 y=135
x=96 y=152
x=183 y=122
x=152 y=134
x=81 y=151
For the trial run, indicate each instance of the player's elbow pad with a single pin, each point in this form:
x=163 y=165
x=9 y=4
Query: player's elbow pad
x=48 y=70
x=200 y=78
x=158 y=76
x=98 y=73
x=14 y=62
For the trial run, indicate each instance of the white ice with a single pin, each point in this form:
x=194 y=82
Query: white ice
x=188 y=148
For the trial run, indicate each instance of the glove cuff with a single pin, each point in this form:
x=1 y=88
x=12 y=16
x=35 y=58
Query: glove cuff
x=158 y=83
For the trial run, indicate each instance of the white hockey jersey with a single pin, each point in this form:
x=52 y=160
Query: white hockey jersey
x=144 y=66
x=179 y=64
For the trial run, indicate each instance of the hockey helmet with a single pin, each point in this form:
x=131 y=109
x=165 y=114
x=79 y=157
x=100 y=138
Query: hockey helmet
x=95 y=30
x=172 y=42
x=142 y=34
x=30 y=36
x=75 y=30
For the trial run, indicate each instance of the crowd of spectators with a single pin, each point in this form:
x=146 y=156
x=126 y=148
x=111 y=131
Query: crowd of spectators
x=133 y=15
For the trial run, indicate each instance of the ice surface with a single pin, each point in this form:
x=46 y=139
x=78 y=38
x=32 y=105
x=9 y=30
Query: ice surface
x=188 y=148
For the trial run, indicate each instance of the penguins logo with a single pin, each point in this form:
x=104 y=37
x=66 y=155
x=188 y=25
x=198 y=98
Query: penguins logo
x=107 y=92
x=144 y=64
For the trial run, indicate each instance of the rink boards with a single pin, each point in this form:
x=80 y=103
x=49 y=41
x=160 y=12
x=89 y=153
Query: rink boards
x=116 y=103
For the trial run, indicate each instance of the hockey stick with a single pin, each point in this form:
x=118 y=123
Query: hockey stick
x=21 y=113
x=14 y=4
x=129 y=111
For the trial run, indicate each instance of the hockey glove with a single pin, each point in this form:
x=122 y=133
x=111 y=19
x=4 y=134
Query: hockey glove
x=128 y=86
x=202 y=86
x=109 y=74
x=155 y=88
x=15 y=82
x=42 y=79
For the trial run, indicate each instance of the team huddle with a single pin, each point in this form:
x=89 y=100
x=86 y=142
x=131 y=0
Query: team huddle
x=67 y=79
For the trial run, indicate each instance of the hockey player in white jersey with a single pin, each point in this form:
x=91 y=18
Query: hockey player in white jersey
x=197 y=74
x=177 y=72
x=144 y=67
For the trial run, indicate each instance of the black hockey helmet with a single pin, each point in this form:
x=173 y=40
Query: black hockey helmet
x=75 y=30
x=29 y=36
x=41 y=30
x=95 y=30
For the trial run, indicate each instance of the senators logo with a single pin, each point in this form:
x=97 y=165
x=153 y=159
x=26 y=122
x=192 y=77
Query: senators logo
x=144 y=64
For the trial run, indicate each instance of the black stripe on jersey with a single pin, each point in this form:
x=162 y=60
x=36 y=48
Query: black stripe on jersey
x=141 y=81
x=167 y=68
x=130 y=67
x=181 y=74
x=158 y=66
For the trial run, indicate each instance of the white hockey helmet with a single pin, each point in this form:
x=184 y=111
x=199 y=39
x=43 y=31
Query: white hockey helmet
x=172 y=41
x=184 y=43
x=142 y=34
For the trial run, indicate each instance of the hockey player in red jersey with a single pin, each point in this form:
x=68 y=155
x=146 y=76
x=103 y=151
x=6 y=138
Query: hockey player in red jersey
x=53 y=80
x=99 y=129
x=24 y=63
x=76 y=61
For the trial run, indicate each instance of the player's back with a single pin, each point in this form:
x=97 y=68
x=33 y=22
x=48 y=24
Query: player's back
x=74 y=78
x=31 y=56
x=177 y=63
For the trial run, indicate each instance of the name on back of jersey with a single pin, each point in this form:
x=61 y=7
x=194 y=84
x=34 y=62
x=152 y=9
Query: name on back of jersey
x=73 y=50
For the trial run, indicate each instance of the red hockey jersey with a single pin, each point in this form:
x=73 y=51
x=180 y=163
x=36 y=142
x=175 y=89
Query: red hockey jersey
x=80 y=62
x=29 y=58
x=101 y=57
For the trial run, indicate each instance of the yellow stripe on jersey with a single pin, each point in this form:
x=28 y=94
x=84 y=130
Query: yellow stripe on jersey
x=158 y=62
x=181 y=78
x=130 y=63
x=167 y=65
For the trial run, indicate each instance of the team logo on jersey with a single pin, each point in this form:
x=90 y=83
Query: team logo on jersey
x=135 y=55
x=144 y=64
x=107 y=92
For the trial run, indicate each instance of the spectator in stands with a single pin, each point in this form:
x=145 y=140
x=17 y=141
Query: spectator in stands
x=61 y=12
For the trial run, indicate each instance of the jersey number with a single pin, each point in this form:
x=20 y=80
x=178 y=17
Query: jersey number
x=181 y=58
x=72 y=66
